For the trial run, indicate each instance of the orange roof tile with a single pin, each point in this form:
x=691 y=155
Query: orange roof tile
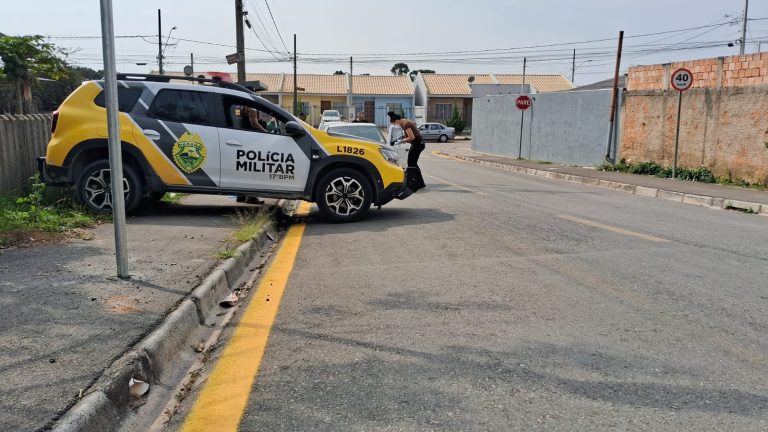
x=382 y=85
x=542 y=83
x=317 y=84
x=452 y=84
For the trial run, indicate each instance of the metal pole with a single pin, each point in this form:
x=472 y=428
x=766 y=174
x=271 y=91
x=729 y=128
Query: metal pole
x=240 y=41
x=743 y=43
x=573 y=67
x=160 y=41
x=677 y=134
x=614 y=95
x=113 y=128
x=192 y=62
x=349 y=104
x=295 y=88
x=522 y=115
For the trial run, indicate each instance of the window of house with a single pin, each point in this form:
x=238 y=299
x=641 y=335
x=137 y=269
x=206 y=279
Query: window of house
x=182 y=106
x=245 y=114
x=443 y=110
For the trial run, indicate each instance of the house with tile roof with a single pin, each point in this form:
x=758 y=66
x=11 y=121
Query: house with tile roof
x=374 y=94
x=440 y=94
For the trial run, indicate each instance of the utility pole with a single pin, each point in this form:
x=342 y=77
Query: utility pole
x=743 y=43
x=349 y=110
x=573 y=66
x=295 y=84
x=160 y=41
x=240 y=41
x=192 y=62
x=614 y=96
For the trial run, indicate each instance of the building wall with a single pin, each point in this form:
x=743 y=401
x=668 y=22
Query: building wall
x=731 y=71
x=380 y=104
x=456 y=102
x=567 y=127
x=314 y=101
x=724 y=129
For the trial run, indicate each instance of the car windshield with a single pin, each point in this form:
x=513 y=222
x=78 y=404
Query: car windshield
x=369 y=132
x=331 y=113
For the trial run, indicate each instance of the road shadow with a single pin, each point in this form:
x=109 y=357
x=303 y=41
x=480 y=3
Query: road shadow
x=364 y=383
x=387 y=218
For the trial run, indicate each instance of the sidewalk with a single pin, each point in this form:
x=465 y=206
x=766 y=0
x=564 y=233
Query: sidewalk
x=66 y=317
x=703 y=194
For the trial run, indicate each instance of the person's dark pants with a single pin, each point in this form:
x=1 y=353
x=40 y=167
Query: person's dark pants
x=414 y=179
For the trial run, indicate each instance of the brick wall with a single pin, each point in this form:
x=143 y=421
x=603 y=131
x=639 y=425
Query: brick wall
x=724 y=129
x=731 y=71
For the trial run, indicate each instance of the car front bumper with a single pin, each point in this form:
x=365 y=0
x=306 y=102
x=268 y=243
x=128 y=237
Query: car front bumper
x=394 y=190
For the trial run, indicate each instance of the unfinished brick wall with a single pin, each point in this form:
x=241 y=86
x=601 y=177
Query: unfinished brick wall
x=731 y=71
x=723 y=129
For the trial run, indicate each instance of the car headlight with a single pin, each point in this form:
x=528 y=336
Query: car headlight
x=389 y=154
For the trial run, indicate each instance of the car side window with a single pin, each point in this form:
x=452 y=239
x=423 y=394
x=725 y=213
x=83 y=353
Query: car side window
x=245 y=114
x=126 y=98
x=436 y=127
x=423 y=127
x=182 y=106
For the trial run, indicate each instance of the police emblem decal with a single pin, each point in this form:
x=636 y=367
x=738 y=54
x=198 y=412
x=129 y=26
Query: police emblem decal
x=189 y=152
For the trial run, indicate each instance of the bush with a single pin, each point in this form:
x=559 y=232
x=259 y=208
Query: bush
x=456 y=121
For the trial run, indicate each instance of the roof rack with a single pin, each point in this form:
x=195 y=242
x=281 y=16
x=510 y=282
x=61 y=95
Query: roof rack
x=167 y=78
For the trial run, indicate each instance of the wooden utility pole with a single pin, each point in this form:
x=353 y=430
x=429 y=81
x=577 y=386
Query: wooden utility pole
x=240 y=41
x=614 y=96
x=160 y=42
x=295 y=84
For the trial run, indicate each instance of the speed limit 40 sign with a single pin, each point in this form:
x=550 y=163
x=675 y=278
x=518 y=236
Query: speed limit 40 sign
x=682 y=79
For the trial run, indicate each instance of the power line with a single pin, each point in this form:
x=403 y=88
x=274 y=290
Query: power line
x=275 y=24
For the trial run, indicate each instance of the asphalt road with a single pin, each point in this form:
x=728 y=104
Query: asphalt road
x=65 y=317
x=499 y=301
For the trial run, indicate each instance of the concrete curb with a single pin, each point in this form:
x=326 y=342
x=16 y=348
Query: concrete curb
x=106 y=402
x=700 y=200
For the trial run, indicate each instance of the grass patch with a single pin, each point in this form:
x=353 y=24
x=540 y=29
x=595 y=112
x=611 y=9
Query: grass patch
x=172 y=197
x=250 y=222
x=703 y=175
x=42 y=214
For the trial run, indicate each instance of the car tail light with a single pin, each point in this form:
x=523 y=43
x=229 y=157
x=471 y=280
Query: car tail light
x=55 y=121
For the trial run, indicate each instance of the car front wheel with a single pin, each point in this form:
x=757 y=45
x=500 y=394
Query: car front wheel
x=443 y=138
x=343 y=195
x=94 y=187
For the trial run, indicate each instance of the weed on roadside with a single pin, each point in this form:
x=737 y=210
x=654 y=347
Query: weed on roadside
x=702 y=174
x=43 y=213
x=172 y=197
x=250 y=223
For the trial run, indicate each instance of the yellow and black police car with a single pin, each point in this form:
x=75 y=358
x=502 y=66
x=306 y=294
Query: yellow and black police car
x=213 y=137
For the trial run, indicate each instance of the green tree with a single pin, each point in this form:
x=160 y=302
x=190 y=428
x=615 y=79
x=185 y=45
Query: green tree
x=26 y=58
x=338 y=72
x=456 y=121
x=400 y=69
x=415 y=72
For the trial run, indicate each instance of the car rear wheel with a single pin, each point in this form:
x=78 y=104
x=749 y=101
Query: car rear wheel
x=443 y=138
x=343 y=195
x=94 y=187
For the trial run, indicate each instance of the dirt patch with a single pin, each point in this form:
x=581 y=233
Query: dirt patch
x=36 y=238
x=122 y=305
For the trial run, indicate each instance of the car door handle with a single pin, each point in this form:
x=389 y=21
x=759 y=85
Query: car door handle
x=151 y=134
x=232 y=143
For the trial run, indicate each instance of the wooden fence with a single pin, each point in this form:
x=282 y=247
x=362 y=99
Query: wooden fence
x=22 y=139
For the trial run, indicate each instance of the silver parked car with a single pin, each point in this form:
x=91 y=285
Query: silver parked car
x=437 y=131
x=367 y=131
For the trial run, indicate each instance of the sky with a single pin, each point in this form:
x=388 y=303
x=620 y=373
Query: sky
x=481 y=36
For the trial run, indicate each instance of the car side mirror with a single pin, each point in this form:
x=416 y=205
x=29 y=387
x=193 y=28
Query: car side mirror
x=294 y=129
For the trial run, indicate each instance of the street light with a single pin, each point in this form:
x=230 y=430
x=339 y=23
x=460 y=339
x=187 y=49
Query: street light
x=573 y=72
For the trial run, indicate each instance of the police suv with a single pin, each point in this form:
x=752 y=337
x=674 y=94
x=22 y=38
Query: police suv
x=213 y=137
